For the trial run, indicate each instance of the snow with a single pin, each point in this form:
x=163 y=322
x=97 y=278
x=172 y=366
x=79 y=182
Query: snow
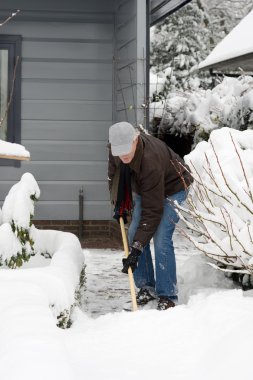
x=12 y=149
x=235 y=44
x=196 y=340
x=230 y=104
x=156 y=82
x=10 y=244
x=17 y=206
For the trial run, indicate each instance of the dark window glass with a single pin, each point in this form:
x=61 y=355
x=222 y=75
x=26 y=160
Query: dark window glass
x=10 y=91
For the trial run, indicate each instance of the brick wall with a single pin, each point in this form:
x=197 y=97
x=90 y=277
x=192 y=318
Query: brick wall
x=96 y=233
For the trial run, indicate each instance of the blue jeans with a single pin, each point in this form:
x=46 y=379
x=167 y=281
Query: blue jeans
x=165 y=281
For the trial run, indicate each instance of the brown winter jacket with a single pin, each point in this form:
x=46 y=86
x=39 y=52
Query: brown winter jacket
x=157 y=172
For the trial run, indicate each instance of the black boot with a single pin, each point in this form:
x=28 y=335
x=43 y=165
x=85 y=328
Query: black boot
x=143 y=297
x=165 y=303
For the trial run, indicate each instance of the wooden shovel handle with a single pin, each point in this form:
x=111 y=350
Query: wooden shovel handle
x=130 y=273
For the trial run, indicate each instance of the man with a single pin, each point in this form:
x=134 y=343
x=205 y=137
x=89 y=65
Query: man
x=158 y=178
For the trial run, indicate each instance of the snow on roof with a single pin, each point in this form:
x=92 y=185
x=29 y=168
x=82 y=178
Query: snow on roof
x=237 y=43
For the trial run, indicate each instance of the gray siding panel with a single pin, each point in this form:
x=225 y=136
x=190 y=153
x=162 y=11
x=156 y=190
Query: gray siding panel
x=60 y=110
x=70 y=71
x=66 y=50
x=58 y=171
x=64 y=130
x=67 y=90
x=67 y=150
x=66 y=103
x=60 y=29
x=65 y=191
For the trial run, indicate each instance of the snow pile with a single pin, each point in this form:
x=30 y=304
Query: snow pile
x=229 y=104
x=31 y=346
x=189 y=342
x=220 y=205
x=12 y=149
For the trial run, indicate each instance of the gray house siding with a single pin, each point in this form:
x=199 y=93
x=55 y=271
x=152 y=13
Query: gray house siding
x=67 y=103
x=130 y=61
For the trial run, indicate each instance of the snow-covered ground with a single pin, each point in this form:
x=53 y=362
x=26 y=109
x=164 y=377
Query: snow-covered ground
x=207 y=336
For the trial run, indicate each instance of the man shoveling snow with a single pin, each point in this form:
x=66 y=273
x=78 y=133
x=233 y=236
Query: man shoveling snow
x=145 y=170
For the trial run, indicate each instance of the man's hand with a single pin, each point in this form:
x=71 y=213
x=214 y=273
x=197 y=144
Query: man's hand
x=132 y=260
x=117 y=216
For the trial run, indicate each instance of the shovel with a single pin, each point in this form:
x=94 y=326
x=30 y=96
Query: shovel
x=122 y=208
x=130 y=273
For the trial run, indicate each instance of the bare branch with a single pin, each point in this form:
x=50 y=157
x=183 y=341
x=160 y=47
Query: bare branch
x=9 y=18
x=243 y=169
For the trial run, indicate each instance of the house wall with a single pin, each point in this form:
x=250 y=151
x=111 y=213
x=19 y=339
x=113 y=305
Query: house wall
x=130 y=61
x=67 y=102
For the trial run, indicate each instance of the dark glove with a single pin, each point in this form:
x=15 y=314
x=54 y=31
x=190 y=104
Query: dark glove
x=117 y=216
x=131 y=261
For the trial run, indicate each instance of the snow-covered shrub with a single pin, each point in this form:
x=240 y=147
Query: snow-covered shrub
x=178 y=44
x=62 y=279
x=219 y=210
x=17 y=215
x=229 y=104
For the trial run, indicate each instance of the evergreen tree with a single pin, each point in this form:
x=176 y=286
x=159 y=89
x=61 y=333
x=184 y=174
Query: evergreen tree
x=182 y=40
x=224 y=16
x=179 y=43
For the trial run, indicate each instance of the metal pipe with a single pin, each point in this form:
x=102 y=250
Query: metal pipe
x=80 y=225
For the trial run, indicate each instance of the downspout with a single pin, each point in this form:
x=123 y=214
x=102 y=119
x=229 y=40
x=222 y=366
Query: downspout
x=80 y=224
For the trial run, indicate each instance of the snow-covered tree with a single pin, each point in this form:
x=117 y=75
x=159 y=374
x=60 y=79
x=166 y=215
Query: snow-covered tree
x=224 y=16
x=16 y=242
x=219 y=212
x=179 y=43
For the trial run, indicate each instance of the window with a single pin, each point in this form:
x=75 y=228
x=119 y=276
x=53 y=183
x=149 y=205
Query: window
x=10 y=91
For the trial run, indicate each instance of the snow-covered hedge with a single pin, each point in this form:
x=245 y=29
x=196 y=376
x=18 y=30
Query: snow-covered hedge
x=62 y=276
x=219 y=210
x=229 y=104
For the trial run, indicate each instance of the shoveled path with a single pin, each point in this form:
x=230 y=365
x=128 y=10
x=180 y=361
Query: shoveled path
x=107 y=289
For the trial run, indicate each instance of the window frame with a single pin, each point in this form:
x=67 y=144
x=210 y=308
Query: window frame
x=12 y=43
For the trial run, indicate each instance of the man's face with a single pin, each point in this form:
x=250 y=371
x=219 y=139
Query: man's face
x=127 y=158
